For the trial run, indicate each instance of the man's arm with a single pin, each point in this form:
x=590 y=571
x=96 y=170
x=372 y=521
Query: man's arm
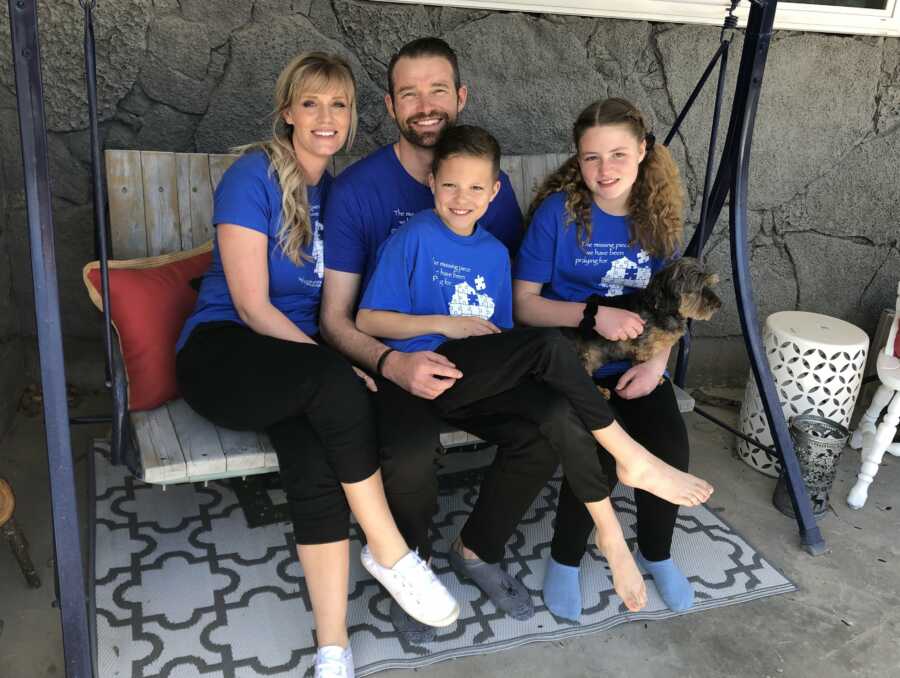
x=414 y=372
x=339 y=293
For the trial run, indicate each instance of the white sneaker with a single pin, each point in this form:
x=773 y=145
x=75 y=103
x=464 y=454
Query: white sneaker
x=415 y=588
x=333 y=661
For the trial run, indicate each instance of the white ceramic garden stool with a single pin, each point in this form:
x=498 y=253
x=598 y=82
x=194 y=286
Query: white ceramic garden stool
x=875 y=442
x=817 y=363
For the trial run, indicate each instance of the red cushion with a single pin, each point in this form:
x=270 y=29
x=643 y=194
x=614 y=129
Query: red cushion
x=150 y=300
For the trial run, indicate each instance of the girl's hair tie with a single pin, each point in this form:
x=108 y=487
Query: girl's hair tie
x=650 y=138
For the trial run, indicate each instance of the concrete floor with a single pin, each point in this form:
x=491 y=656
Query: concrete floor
x=843 y=621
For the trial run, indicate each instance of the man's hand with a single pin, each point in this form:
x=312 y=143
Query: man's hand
x=423 y=373
x=460 y=327
x=366 y=379
x=640 y=380
x=617 y=324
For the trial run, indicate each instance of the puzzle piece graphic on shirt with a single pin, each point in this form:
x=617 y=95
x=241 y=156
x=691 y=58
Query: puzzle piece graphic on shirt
x=623 y=270
x=461 y=303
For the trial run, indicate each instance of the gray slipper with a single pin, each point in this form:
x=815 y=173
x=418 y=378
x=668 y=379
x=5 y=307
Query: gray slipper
x=414 y=632
x=505 y=591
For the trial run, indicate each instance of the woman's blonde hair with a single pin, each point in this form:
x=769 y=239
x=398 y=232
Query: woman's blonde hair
x=656 y=201
x=307 y=72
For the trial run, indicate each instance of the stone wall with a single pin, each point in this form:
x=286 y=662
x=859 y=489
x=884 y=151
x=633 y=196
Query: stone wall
x=197 y=75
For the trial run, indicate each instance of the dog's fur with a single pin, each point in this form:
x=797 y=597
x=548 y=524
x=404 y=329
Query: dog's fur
x=677 y=293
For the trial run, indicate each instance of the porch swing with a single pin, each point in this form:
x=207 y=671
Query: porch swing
x=729 y=180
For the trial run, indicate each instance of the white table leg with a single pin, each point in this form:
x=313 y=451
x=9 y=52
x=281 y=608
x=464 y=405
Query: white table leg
x=872 y=454
x=866 y=424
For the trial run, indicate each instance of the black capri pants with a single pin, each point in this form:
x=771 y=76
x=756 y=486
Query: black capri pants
x=656 y=423
x=309 y=401
x=500 y=363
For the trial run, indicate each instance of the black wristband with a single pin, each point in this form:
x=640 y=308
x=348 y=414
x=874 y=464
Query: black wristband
x=589 y=318
x=380 y=364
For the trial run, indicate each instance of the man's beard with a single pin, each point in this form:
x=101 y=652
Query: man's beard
x=425 y=139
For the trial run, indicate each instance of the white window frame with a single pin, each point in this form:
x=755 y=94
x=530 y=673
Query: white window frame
x=788 y=16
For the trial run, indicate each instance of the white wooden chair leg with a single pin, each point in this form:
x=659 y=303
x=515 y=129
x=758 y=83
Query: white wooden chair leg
x=866 y=424
x=873 y=454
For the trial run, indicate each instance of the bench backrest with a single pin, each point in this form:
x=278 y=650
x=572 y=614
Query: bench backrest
x=161 y=202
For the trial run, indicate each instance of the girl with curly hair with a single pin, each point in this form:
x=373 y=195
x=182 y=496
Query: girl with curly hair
x=603 y=224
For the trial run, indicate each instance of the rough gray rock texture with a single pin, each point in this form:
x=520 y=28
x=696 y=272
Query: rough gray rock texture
x=197 y=75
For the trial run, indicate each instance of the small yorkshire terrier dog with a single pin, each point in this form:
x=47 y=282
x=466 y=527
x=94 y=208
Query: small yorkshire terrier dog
x=680 y=292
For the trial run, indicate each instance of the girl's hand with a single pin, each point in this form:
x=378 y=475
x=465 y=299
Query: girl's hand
x=366 y=379
x=460 y=327
x=640 y=380
x=617 y=324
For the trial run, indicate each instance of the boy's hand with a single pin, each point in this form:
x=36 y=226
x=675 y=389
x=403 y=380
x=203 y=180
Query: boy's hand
x=617 y=324
x=425 y=374
x=460 y=327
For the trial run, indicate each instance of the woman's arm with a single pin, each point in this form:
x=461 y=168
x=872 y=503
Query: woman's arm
x=393 y=325
x=244 y=255
x=531 y=308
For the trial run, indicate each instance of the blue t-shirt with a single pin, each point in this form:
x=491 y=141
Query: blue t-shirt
x=248 y=195
x=607 y=265
x=375 y=196
x=424 y=268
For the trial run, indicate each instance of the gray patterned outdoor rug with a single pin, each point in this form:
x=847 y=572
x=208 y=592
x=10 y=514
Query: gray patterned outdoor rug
x=183 y=587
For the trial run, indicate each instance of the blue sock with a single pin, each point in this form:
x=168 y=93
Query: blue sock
x=562 y=590
x=674 y=588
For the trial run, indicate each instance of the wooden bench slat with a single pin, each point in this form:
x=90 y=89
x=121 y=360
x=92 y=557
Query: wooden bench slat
x=183 y=184
x=162 y=459
x=200 y=445
x=125 y=190
x=512 y=165
x=271 y=458
x=201 y=198
x=218 y=163
x=161 y=202
x=242 y=451
x=534 y=169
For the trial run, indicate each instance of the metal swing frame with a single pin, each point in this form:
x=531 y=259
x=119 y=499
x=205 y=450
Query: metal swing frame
x=730 y=180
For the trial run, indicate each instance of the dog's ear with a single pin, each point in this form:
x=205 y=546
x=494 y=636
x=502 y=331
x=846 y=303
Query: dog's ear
x=662 y=294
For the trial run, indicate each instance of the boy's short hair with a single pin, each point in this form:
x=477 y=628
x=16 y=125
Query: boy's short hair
x=466 y=140
x=424 y=47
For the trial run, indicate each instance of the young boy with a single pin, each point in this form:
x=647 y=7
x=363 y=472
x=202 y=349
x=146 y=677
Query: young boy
x=443 y=284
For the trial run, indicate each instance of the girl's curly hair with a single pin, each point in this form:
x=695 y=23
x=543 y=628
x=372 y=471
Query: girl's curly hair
x=656 y=201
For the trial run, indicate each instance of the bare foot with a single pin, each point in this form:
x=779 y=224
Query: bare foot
x=627 y=579
x=648 y=472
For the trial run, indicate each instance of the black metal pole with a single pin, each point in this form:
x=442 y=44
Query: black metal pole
x=694 y=94
x=102 y=235
x=66 y=530
x=684 y=347
x=759 y=33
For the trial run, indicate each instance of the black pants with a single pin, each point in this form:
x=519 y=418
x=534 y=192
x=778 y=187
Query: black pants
x=655 y=422
x=306 y=397
x=502 y=399
x=494 y=364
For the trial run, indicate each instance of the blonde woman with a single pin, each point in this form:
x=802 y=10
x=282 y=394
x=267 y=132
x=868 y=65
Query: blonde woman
x=250 y=357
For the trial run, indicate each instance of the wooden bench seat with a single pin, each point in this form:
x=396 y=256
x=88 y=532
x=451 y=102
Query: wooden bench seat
x=161 y=202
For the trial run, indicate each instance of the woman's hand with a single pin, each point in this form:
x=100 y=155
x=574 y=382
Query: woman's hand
x=640 y=380
x=366 y=379
x=460 y=327
x=617 y=324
